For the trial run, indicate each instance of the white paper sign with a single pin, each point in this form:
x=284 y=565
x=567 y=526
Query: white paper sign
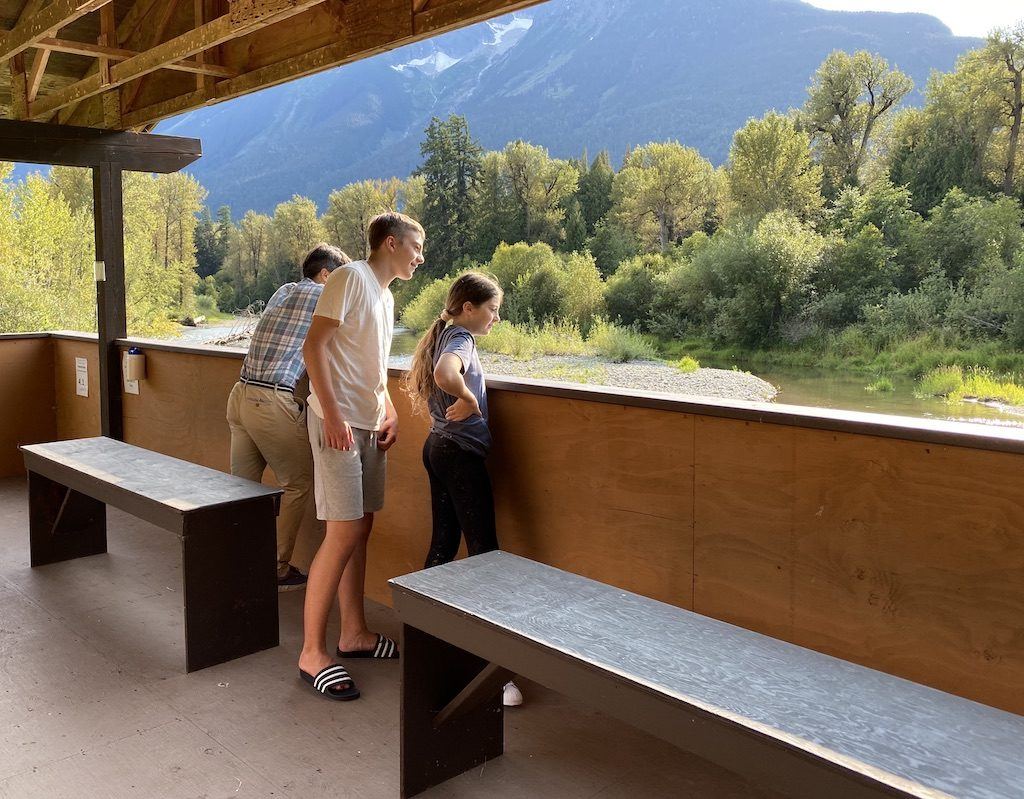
x=82 y=377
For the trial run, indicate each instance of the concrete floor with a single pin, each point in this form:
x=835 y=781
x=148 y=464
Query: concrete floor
x=95 y=703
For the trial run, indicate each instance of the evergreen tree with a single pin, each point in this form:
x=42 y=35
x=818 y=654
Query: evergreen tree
x=208 y=260
x=595 y=191
x=225 y=228
x=451 y=167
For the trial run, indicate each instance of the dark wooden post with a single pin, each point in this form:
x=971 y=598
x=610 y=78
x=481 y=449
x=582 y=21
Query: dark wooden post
x=111 y=317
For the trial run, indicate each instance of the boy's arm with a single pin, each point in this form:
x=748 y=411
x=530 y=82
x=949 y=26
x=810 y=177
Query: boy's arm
x=448 y=376
x=337 y=433
x=388 y=433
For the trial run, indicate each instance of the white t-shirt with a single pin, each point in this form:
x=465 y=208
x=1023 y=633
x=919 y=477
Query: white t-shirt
x=357 y=354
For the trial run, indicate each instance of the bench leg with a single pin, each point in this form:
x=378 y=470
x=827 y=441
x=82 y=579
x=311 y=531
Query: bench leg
x=433 y=674
x=229 y=572
x=63 y=524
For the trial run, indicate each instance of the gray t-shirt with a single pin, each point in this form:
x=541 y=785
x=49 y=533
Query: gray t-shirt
x=472 y=434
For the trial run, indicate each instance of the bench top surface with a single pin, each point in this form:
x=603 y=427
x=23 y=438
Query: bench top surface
x=928 y=742
x=160 y=478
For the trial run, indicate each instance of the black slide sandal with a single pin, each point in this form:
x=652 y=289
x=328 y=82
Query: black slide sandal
x=331 y=677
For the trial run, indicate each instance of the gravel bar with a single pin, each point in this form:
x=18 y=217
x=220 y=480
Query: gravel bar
x=639 y=375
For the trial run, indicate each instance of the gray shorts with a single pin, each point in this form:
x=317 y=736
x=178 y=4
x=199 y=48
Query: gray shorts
x=346 y=483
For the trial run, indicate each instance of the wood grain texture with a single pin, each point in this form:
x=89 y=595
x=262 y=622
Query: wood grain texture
x=919 y=741
x=180 y=407
x=77 y=417
x=27 y=413
x=602 y=490
x=904 y=556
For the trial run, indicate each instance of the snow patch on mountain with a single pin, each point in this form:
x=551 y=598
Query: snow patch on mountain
x=433 y=64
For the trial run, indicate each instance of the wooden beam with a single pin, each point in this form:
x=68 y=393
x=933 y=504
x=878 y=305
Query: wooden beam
x=419 y=5
x=20 y=81
x=19 y=87
x=45 y=23
x=109 y=101
x=121 y=54
x=181 y=47
x=67 y=145
x=35 y=75
x=126 y=31
x=155 y=36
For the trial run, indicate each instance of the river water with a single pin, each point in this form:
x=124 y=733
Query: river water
x=823 y=389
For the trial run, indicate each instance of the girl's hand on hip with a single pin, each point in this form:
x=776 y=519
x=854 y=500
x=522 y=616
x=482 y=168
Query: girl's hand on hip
x=462 y=409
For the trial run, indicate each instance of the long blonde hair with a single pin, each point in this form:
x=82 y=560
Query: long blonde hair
x=472 y=287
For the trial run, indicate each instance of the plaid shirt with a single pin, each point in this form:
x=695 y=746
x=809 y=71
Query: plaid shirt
x=275 y=352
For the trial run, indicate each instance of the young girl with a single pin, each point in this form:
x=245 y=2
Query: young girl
x=446 y=377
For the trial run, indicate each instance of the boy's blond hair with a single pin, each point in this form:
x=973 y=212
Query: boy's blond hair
x=391 y=223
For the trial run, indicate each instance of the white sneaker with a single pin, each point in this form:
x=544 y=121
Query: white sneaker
x=511 y=696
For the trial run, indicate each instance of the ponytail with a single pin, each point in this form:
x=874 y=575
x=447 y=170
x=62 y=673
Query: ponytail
x=419 y=381
x=472 y=287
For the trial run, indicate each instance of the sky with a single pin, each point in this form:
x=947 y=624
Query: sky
x=964 y=17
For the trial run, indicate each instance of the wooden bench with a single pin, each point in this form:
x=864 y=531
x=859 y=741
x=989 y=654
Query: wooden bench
x=787 y=718
x=226 y=525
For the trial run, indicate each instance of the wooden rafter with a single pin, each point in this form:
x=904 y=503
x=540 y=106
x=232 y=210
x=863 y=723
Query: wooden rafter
x=35 y=74
x=127 y=34
x=222 y=29
x=45 y=23
x=419 y=5
x=121 y=54
x=23 y=79
x=155 y=36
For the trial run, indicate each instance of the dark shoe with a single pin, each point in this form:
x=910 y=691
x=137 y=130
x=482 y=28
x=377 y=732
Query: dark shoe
x=333 y=682
x=386 y=649
x=292 y=581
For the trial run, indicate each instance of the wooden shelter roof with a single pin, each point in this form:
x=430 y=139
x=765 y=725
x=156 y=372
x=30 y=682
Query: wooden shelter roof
x=126 y=64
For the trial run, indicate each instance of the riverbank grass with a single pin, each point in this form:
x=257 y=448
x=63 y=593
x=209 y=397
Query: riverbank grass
x=956 y=384
x=611 y=342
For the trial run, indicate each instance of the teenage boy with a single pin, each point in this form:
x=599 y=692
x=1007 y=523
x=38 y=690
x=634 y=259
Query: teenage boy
x=352 y=425
x=268 y=424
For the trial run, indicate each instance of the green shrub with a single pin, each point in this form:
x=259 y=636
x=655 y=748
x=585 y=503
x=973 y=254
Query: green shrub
x=428 y=304
x=630 y=292
x=686 y=364
x=620 y=344
x=880 y=385
x=524 y=342
x=582 y=291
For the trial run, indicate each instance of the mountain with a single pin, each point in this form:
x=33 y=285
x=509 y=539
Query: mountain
x=568 y=74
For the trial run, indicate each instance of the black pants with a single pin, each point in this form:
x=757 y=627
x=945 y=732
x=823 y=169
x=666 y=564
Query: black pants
x=461 y=500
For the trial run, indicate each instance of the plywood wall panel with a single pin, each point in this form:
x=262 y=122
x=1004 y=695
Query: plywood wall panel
x=598 y=489
x=744 y=495
x=27 y=403
x=77 y=417
x=910 y=558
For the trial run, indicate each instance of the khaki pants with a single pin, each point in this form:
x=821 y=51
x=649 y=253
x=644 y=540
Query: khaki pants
x=268 y=428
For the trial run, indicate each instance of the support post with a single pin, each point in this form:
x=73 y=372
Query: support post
x=111 y=316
